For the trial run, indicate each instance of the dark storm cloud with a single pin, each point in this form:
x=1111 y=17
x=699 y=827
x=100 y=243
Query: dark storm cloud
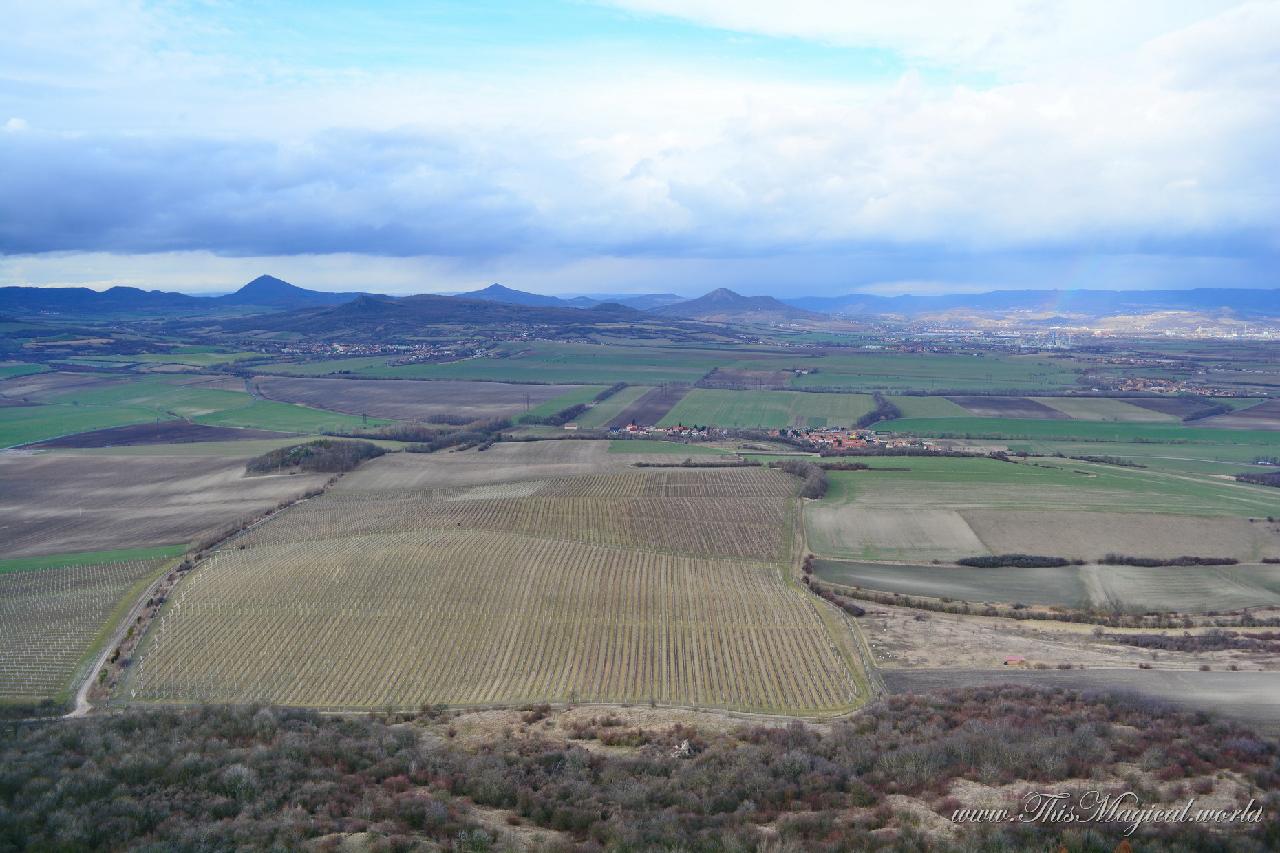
x=373 y=193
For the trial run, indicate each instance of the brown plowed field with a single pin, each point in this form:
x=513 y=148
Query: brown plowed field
x=650 y=408
x=1008 y=407
x=164 y=432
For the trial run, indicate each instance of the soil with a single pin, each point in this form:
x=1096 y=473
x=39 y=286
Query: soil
x=650 y=408
x=164 y=432
x=1008 y=407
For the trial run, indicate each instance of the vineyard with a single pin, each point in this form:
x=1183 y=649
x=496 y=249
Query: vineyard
x=49 y=619
x=736 y=513
x=470 y=617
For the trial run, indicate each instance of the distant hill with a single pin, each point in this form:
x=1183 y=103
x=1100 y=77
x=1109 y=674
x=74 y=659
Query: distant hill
x=498 y=293
x=267 y=290
x=1090 y=303
x=639 y=301
x=723 y=305
x=384 y=315
x=83 y=301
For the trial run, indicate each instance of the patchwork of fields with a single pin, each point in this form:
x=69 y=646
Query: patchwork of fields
x=64 y=404
x=947 y=508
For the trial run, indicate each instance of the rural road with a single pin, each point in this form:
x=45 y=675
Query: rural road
x=1248 y=697
x=83 y=706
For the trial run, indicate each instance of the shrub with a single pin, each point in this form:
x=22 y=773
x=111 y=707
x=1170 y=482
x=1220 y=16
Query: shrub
x=1021 y=561
x=324 y=455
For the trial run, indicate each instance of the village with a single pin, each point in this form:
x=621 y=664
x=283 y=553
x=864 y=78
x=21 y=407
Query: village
x=825 y=438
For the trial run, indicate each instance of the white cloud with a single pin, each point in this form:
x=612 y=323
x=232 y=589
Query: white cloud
x=1006 y=35
x=1126 y=128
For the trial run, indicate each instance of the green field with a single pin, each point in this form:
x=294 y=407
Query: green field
x=768 y=409
x=1047 y=484
x=84 y=558
x=27 y=424
x=1101 y=409
x=927 y=372
x=669 y=448
x=215 y=406
x=599 y=415
x=571 y=364
x=1069 y=430
x=8 y=371
x=191 y=356
x=584 y=394
x=929 y=407
x=324 y=367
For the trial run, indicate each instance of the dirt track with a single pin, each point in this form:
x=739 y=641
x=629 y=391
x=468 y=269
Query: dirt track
x=1251 y=697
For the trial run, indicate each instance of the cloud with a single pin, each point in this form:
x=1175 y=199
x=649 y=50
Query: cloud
x=1010 y=36
x=1162 y=147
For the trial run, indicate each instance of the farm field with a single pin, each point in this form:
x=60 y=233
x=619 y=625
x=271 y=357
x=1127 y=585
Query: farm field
x=913 y=406
x=1007 y=407
x=947 y=508
x=1105 y=409
x=579 y=364
x=53 y=503
x=74 y=406
x=81 y=558
x=414 y=400
x=602 y=583
x=665 y=448
x=9 y=370
x=569 y=395
x=26 y=424
x=53 y=618
x=741 y=513
x=1074 y=430
x=158 y=432
x=1185 y=589
x=467 y=617
x=649 y=408
x=603 y=413
x=768 y=409
x=929 y=372
x=504 y=462
x=1265 y=415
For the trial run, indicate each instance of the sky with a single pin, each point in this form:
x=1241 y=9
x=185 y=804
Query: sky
x=809 y=147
